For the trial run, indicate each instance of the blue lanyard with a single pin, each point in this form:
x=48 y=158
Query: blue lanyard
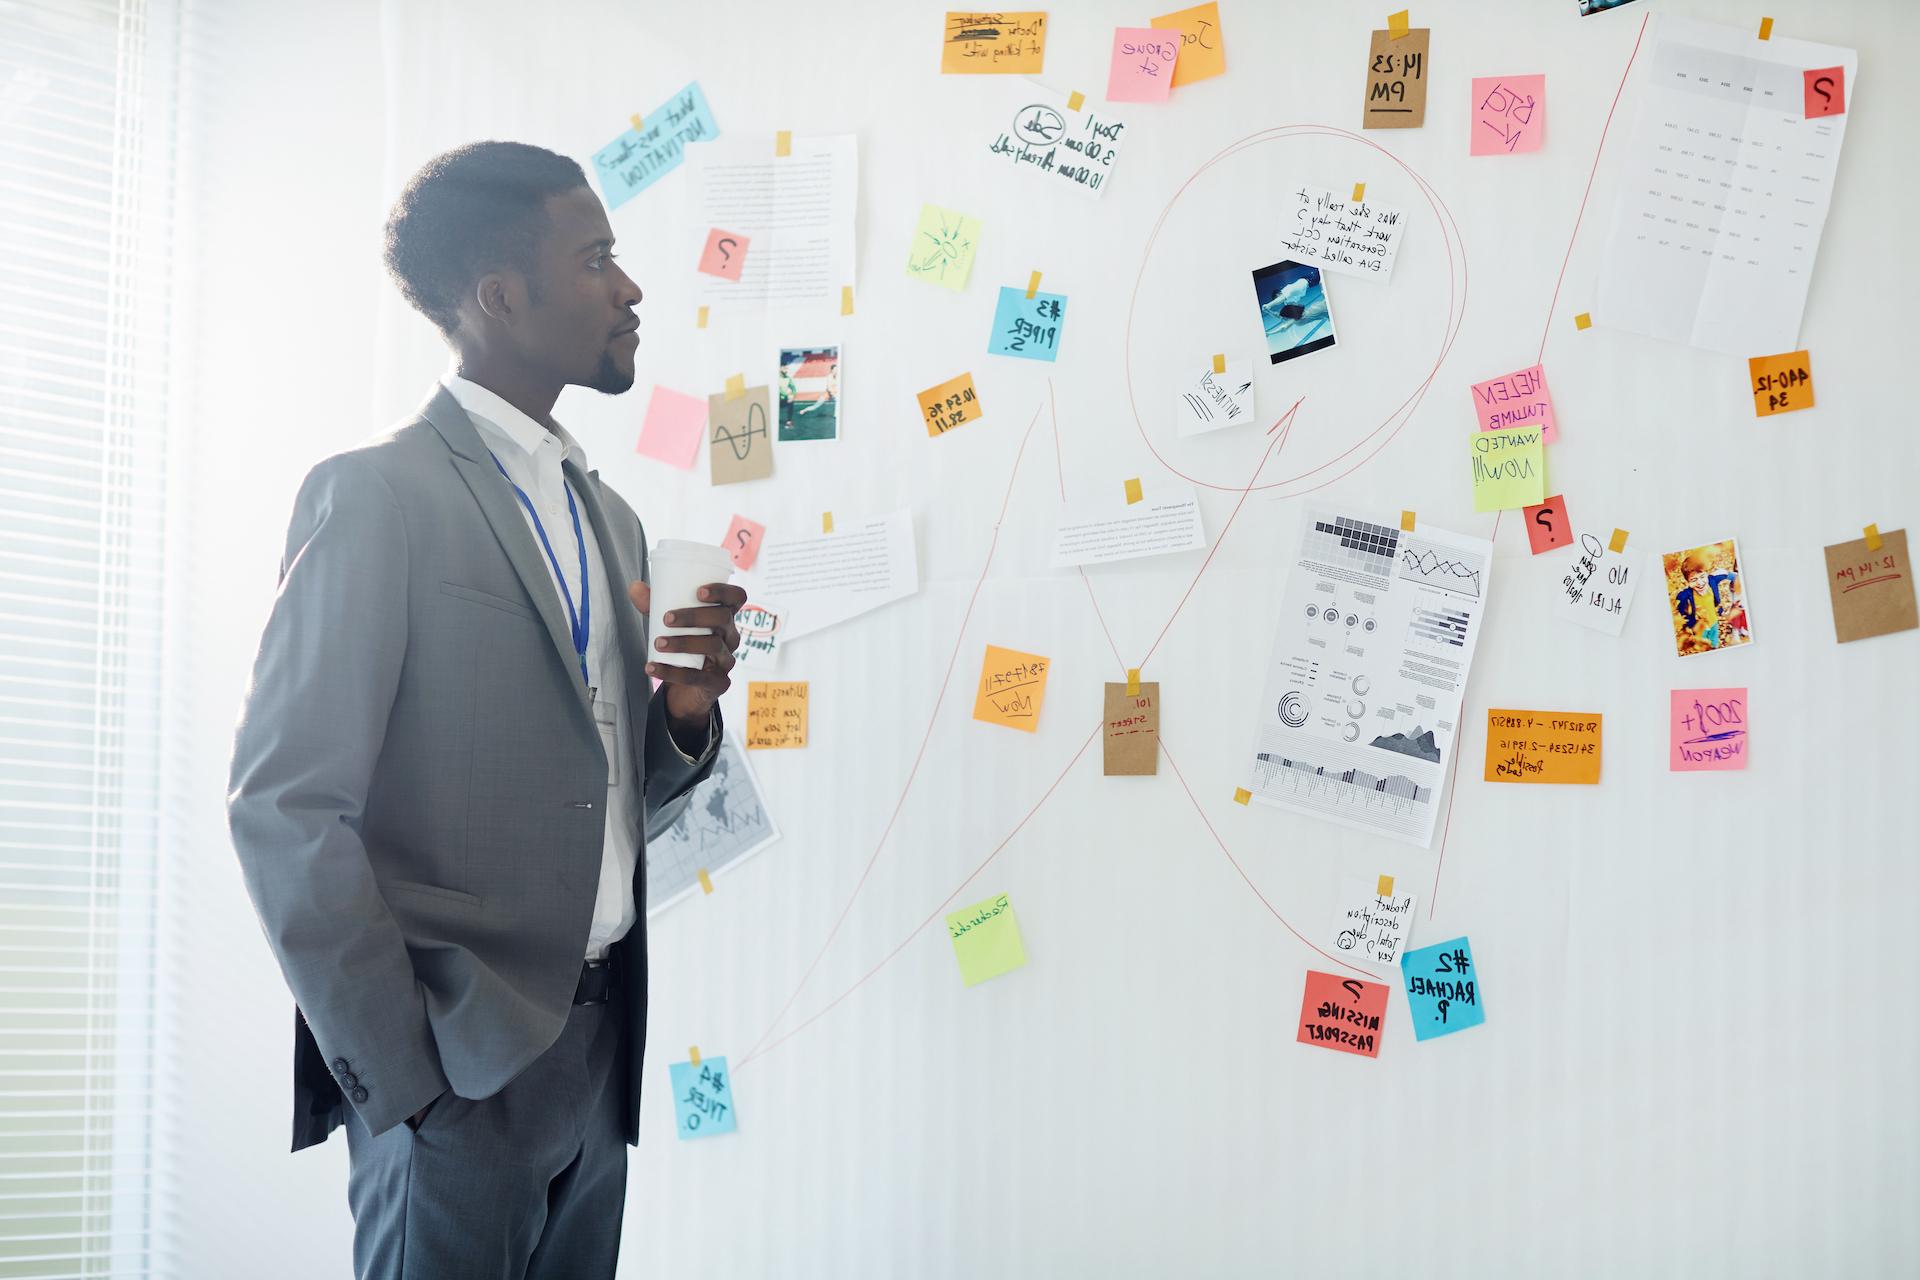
x=580 y=621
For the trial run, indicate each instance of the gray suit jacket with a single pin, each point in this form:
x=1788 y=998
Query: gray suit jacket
x=418 y=789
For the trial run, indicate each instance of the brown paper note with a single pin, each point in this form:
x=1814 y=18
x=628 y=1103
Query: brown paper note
x=1396 y=81
x=1872 y=590
x=738 y=446
x=1133 y=730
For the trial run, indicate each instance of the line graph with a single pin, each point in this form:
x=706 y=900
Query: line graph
x=1457 y=571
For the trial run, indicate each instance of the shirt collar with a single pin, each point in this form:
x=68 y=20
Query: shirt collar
x=489 y=409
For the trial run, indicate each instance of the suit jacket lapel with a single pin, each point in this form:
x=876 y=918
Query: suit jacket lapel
x=628 y=626
x=503 y=512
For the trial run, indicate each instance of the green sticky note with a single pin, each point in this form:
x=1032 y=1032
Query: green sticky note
x=1509 y=468
x=943 y=246
x=986 y=940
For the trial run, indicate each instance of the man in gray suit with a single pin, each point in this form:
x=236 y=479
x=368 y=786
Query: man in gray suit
x=450 y=755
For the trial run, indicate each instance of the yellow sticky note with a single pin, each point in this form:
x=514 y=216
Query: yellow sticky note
x=949 y=405
x=976 y=43
x=776 y=714
x=1509 y=468
x=706 y=884
x=846 y=299
x=1134 y=493
x=943 y=246
x=783 y=143
x=700 y=322
x=1781 y=383
x=1543 y=746
x=1397 y=24
x=736 y=386
x=1241 y=795
x=1385 y=887
x=986 y=940
x=1583 y=321
x=1012 y=687
x=1203 y=51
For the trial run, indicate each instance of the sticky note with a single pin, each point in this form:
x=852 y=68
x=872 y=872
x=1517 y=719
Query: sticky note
x=776 y=714
x=1131 y=740
x=1781 y=383
x=759 y=628
x=1517 y=399
x=943 y=247
x=999 y=43
x=725 y=254
x=1547 y=526
x=949 y=405
x=1871 y=588
x=986 y=940
x=1509 y=115
x=739 y=447
x=1371 y=923
x=1396 y=81
x=1142 y=66
x=1342 y=1013
x=1442 y=989
x=638 y=158
x=743 y=541
x=1012 y=687
x=675 y=425
x=1029 y=328
x=1597 y=588
x=1708 y=729
x=1826 y=92
x=1509 y=468
x=1203 y=50
x=1543 y=746
x=702 y=1098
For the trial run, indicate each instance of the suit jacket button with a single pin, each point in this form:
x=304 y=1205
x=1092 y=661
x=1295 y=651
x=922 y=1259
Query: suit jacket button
x=359 y=1095
x=339 y=1064
x=348 y=1079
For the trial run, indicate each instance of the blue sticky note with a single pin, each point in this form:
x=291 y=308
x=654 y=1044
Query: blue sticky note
x=633 y=161
x=702 y=1098
x=1443 y=989
x=1028 y=327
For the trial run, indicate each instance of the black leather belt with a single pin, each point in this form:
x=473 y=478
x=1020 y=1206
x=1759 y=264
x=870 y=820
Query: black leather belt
x=596 y=982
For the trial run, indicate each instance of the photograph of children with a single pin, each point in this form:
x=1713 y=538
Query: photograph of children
x=1293 y=307
x=1708 y=598
x=809 y=393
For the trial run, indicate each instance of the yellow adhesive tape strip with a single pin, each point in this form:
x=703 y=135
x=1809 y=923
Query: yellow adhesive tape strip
x=1384 y=889
x=1619 y=542
x=826 y=522
x=1873 y=537
x=1219 y=363
x=1033 y=284
x=1241 y=795
x=1133 y=682
x=693 y=1053
x=637 y=121
x=706 y=885
x=736 y=386
x=1766 y=28
x=1406 y=522
x=1583 y=321
x=846 y=299
x=783 y=143
x=1397 y=24
x=1133 y=492
x=1074 y=100
x=1359 y=192
x=701 y=321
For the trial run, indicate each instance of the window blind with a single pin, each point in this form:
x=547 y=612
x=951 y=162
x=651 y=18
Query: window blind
x=87 y=89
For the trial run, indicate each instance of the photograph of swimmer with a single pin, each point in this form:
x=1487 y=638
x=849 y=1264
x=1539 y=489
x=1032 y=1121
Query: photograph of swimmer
x=1293 y=307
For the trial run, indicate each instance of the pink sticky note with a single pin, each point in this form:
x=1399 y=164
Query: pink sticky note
x=674 y=427
x=743 y=541
x=1509 y=114
x=1826 y=92
x=1709 y=730
x=725 y=253
x=1142 y=69
x=1517 y=399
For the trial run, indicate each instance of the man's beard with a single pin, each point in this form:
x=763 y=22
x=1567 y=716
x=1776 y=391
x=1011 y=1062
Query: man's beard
x=607 y=378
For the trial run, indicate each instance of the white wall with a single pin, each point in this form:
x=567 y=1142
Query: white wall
x=1700 y=1047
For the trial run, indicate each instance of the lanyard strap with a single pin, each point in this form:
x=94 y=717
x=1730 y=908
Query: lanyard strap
x=578 y=622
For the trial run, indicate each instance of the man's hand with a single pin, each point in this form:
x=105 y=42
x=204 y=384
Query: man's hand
x=692 y=691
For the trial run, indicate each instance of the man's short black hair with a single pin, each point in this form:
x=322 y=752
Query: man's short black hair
x=467 y=212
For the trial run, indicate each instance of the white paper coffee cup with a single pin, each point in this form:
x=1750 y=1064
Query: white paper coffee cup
x=676 y=571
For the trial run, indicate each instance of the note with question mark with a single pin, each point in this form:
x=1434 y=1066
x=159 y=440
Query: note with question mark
x=725 y=254
x=1826 y=92
x=1342 y=1013
x=743 y=541
x=1547 y=525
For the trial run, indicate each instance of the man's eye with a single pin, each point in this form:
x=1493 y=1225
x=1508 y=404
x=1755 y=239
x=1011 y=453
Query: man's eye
x=602 y=257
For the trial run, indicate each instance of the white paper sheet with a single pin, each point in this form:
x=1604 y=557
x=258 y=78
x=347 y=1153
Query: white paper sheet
x=796 y=211
x=1214 y=400
x=1353 y=238
x=1723 y=190
x=1167 y=518
x=1035 y=130
x=1362 y=702
x=1368 y=927
x=725 y=820
x=1597 y=588
x=824 y=579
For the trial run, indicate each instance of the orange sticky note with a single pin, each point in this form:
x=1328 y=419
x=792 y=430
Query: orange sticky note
x=743 y=541
x=949 y=405
x=1203 y=51
x=1781 y=383
x=976 y=42
x=1543 y=746
x=1012 y=687
x=725 y=254
x=776 y=714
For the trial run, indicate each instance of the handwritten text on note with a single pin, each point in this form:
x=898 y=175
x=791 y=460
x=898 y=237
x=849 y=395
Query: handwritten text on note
x=776 y=714
x=1355 y=238
x=1012 y=687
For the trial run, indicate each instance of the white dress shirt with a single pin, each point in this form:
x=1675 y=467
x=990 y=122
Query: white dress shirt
x=531 y=456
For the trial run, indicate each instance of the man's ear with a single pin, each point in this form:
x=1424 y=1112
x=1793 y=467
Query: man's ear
x=494 y=294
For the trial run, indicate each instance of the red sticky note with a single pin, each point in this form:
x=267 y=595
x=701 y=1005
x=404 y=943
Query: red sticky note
x=1547 y=525
x=726 y=252
x=1342 y=1013
x=1826 y=92
x=674 y=428
x=1517 y=399
x=1709 y=729
x=743 y=541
